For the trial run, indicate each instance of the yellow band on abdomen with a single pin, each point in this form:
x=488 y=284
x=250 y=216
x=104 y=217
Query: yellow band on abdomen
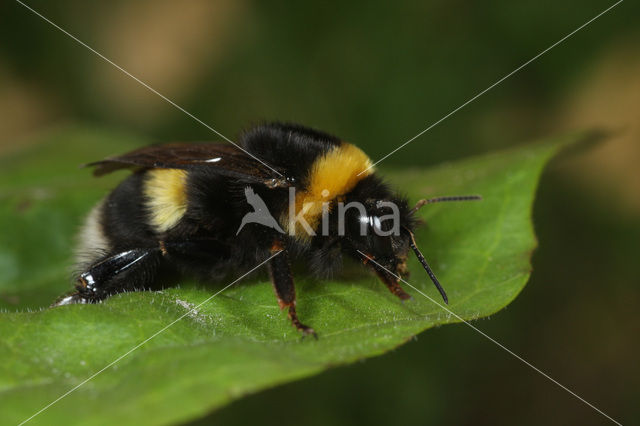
x=166 y=197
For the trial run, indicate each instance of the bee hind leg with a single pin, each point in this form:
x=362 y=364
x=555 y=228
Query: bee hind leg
x=129 y=270
x=70 y=299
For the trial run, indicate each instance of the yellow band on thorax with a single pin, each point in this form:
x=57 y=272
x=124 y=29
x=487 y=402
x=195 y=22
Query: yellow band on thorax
x=332 y=175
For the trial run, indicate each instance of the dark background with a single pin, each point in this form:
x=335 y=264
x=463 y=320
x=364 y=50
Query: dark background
x=376 y=74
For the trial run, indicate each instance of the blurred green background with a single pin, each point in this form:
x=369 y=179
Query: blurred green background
x=376 y=74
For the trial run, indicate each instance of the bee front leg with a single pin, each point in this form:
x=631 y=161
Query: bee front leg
x=282 y=280
x=390 y=280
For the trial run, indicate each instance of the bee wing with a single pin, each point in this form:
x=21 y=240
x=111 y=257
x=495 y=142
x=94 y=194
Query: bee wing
x=224 y=159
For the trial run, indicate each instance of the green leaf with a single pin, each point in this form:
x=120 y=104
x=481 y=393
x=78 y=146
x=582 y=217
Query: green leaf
x=239 y=342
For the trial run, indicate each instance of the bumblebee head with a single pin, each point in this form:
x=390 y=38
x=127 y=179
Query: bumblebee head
x=379 y=234
x=374 y=227
x=378 y=230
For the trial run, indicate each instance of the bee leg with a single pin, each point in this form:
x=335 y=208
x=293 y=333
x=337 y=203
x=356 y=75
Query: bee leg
x=392 y=284
x=280 y=272
x=126 y=271
x=388 y=279
x=70 y=299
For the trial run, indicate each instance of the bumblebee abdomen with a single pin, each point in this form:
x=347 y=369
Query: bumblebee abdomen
x=120 y=221
x=92 y=242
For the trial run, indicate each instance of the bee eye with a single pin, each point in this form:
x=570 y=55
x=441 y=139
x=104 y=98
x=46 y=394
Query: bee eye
x=375 y=223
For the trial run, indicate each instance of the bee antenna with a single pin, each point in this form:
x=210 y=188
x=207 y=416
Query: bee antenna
x=425 y=265
x=422 y=202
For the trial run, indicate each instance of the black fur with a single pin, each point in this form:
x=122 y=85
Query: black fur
x=287 y=146
x=204 y=243
x=124 y=218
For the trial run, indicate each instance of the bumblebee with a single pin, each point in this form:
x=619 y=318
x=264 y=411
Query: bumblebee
x=202 y=210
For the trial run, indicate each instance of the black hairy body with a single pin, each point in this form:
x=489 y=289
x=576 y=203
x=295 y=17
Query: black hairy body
x=180 y=214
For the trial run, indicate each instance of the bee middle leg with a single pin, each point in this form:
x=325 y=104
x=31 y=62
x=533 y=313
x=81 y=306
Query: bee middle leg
x=129 y=270
x=282 y=279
